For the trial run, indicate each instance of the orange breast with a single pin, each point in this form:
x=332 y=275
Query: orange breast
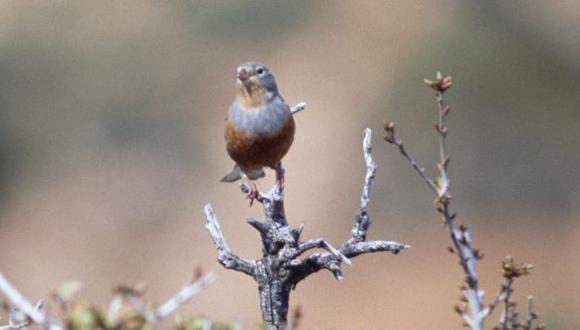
x=254 y=152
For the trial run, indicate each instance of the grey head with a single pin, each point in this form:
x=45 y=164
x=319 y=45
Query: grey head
x=258 y=108
x=256 y=76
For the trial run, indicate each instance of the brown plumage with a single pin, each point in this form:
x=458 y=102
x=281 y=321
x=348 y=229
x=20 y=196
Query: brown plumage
x=254 y=152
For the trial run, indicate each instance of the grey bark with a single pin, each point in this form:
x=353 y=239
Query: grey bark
x=280 y=269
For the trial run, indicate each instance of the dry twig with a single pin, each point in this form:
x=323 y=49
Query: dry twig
x=33 y=312
x=472 y=311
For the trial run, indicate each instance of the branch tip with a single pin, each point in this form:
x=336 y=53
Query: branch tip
x=298 y=107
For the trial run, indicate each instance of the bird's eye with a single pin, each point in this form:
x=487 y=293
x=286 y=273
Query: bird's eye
x=260 y=71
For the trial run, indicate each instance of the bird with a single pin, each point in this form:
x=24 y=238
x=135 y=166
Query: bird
x=259 y=127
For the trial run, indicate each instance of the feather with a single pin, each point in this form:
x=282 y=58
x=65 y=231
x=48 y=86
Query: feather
x=256 y=174
x=234 y=175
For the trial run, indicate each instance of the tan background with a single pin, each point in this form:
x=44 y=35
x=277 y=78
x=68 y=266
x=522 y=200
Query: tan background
x=111 y=143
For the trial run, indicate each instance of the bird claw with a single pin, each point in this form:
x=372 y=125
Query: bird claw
x=253 y=194
x=280 y=177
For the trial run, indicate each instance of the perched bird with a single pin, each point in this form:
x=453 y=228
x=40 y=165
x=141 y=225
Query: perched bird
x=259 y=128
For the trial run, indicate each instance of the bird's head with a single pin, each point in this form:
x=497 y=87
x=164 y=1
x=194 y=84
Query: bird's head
x=255 y=84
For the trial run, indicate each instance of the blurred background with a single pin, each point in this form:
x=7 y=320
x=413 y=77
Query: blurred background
x=111 y=143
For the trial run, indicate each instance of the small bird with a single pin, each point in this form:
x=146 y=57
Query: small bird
x=259 y=128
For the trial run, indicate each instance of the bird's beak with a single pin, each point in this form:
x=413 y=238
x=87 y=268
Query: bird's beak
x=243 y=75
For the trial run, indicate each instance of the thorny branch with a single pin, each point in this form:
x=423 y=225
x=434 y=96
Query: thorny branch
x=280 y=269
x=473 y=311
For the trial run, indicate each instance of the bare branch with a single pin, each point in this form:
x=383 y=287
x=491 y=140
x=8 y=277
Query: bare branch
x=501 y=296
x=15 y=326
x=532 y=316
x=321 y=243
x=505 y=316
x=318 y=261
x=355 y=249
x=314 y=263
x=225 y=256
x=357 y=244
x=279 y=270
x=391 y=138
x=33 y=312
x=471 y=309
x=371 y=169
x=363 y=222
x=183 y=296
x=460 y=237
x=17 y=319
x=298 y=107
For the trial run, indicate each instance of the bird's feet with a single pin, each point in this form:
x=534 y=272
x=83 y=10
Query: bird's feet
x=280 y=177
x=253 y=194
x=282 y=181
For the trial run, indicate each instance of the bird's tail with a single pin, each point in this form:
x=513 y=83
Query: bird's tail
x=234 y=175
x=256 y=174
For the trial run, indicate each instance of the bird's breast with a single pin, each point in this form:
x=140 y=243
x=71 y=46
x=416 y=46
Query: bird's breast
x=268 y=119
x=256 y=138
